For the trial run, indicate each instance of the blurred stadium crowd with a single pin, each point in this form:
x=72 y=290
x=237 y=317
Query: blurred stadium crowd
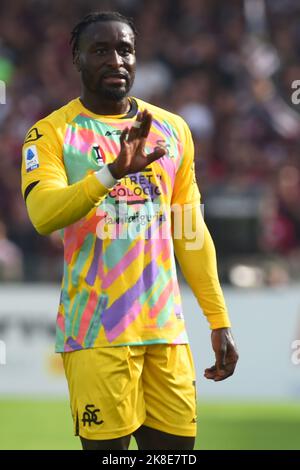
x=196 y=58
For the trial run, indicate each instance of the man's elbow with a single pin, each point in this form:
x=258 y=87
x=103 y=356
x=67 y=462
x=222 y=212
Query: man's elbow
x=40 y=219
x=41 y=226
x=43 y=230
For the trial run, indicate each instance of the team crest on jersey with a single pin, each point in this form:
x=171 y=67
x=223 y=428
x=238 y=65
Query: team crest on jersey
x=98 y=154
x=31 y=158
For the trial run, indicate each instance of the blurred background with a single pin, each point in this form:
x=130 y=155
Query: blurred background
x=230 y=69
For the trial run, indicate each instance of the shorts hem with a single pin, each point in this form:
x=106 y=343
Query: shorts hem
x=111 y=435
x=176 y=431
x=142 y=342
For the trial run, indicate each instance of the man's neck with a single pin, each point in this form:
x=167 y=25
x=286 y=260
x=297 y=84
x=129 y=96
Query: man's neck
x=101 y=106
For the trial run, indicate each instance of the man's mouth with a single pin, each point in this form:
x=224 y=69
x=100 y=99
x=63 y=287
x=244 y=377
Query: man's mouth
x=115 y=79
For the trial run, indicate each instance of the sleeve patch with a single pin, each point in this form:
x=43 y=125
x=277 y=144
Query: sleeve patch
x=31 y=158
x=32 y=135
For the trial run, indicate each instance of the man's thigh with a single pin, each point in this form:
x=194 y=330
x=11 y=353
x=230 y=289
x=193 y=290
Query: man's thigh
x=106 y=392
x=152 y=439
x=122 y=443
x=170 y=389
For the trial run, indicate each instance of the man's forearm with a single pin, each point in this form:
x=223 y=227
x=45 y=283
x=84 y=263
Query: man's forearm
x=199 y=268
x=51 y=207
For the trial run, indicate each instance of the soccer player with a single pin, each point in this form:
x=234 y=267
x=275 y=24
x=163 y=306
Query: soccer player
x=115 y=175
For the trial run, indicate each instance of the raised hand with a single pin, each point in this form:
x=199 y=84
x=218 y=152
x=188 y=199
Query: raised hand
x=132 y=157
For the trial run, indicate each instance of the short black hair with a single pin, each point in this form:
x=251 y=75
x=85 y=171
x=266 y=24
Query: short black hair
x=94 y=17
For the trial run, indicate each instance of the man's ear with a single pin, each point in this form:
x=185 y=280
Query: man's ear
x=76 y=60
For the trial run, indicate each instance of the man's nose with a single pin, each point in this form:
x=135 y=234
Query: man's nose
x=114 y=59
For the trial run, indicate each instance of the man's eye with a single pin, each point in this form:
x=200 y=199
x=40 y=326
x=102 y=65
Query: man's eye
x=125 y=51
x=100 y=51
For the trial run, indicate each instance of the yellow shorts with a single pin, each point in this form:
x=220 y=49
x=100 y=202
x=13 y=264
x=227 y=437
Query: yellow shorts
x=115 y=390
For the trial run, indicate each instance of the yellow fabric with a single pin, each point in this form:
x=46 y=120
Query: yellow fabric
x=119 y=291
x=128 y=386
x=53 y=203
x=199 y=267
x=193 y=245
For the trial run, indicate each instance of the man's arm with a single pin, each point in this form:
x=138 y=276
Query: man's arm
x=199 y=267
x=195 y=252
x=52 y=206
x=52 y=203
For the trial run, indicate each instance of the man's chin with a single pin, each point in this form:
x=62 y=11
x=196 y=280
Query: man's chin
x=114 y=93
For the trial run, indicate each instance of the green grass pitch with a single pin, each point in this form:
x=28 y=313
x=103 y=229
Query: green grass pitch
x=46 y=424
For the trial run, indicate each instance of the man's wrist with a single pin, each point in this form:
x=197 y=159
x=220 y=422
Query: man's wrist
x=106 y=177
x=114 y=171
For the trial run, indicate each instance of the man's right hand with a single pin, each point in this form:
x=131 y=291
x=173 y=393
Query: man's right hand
x=132 y=157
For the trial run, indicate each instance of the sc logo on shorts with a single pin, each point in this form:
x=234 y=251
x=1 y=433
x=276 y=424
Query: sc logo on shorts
x=90 y=416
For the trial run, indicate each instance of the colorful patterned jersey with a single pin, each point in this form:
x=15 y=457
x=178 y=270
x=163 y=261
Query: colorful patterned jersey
x=119 y=283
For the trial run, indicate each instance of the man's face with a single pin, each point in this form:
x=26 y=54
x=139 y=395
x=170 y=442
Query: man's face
x=106 y=59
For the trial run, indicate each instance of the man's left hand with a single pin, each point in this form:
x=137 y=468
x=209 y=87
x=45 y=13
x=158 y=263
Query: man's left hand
x=226 y=355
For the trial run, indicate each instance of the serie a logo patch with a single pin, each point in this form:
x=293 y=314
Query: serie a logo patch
x=31 y=158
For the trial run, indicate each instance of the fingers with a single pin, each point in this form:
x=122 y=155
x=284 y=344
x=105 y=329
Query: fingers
x=132 y=154
x=224 y=373
x=210 y=372
x=213 y=373
x=146 y=124
x=135 y=130
x=153 y=156
x=123 y=135
x=141 y=127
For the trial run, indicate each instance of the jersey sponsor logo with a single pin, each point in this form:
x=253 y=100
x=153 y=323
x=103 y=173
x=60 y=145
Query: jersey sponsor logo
x=33 y=135
x=143 y=188
x=89 y=416
x=115 y=132
x=31 y=158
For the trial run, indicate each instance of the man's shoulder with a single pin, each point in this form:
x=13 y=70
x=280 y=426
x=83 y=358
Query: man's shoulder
x=62 y=115
x=161 y=113
x=55 y=121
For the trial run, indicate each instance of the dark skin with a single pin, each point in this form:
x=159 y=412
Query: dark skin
x=106 y=61
x=106 y=51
